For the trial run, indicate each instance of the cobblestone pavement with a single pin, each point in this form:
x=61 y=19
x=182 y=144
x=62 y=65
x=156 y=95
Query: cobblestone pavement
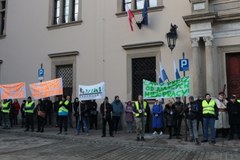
x=17 y=145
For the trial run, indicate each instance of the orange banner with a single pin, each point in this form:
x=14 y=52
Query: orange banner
x=46 y=88
x=13 y=91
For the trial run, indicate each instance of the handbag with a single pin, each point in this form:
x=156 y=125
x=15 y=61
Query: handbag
x=41 y=114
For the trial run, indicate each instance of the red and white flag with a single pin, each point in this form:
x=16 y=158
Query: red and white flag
x=130 y=17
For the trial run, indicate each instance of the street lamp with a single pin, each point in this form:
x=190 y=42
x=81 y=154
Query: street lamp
x=172 y=36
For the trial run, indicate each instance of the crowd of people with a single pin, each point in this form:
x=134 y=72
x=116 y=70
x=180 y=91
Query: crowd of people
x=220 y=115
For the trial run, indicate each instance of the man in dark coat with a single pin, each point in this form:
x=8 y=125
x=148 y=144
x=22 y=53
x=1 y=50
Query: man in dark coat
x=106 y=111
x=233 y=107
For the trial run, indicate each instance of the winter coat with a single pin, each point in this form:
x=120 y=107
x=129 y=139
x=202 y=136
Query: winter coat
x=129 y=117
x=192 y=111
x=117 y=108
x=234 y=112
x=170 y=114
x=223 y=118
x=157 y=116
x=108 y=113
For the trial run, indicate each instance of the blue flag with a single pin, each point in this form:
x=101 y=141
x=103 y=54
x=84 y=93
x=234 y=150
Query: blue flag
x=162 y=76
x=145 y=14
x=176 y=73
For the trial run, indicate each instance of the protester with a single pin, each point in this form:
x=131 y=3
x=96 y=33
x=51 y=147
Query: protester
x=210 y=113
x=179 y=116
x=129 y=117
x=200 y=117
x=233 y=107
x=85 y=113
x=222 y=124
x=140 y=110
x=192 y=112
x=63 y=115
x=117 y=112
x=79 y=120
x=70 y=122
x=157 y=117
x=56 y=108
x=76 y=111
x=48 y=105
x=106 y=111
x=41 y=114
x=93 y=115
x=16 y=111
x=29 y=113
x=5 y=109
x=23 y=113
x=12 y=112
x=170 y=114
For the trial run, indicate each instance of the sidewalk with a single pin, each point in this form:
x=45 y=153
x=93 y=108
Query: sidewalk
x=129 y=139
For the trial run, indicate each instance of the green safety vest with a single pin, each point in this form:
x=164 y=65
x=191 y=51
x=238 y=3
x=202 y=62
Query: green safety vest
x=137 y=108
x=238 y=100
x=208 y=108
x=28 y=107
x=5 y=107
x=63 y=111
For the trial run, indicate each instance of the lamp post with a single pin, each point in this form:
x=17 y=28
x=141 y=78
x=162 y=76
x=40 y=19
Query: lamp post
x=172 y=37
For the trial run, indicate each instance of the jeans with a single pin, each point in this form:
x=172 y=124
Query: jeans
x=85 y=124
x=209 y=122
x=140 y=124
x=192 y=124
x=116 y=120
x=5 y=120
x=129 y=127
x=63 y=123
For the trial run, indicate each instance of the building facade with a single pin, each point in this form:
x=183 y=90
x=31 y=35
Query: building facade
x=86 y=42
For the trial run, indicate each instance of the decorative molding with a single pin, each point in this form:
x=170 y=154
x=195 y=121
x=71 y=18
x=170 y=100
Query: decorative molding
x=199 y=18
x=64 y=25
x=63 y=54
x=195 y=41
x=143 y=45
x=208 y=41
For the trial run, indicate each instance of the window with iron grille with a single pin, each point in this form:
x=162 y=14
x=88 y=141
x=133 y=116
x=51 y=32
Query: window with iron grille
x=137 y=4
x=66 y=73
x=2 y=16
x=142 y=68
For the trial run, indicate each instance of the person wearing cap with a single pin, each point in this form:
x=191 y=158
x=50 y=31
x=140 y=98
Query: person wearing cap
x=106 y=111
x=222 y=124
x=29 y=113
x=129 y=117
x=117 y=112
x=140 y=111
x=192 y=112
x=179 y=116
x=170 y=115
x=209 y=113
x=157 y=117
x=233 y=108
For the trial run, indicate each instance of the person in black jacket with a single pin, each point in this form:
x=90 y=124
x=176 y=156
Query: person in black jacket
x=85 y=112
x=233 y=108
x=170 y=114
x=56 y=107
x=76 y=111
x=106 y=111
x=41 y=113
x=93 y=115
x=23 y=113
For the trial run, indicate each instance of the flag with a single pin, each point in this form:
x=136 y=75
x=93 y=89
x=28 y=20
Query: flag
x=145 y=14
x=176 y=73
x=162 y=76
x=130 y=17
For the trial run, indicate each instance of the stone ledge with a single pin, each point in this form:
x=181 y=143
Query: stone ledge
x=63 y=54
x=143 y=45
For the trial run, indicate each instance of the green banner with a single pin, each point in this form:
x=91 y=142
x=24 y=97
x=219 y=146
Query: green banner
x=177 y=88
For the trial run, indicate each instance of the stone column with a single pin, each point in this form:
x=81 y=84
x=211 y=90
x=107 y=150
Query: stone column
x=196 y=67
x=209 y=65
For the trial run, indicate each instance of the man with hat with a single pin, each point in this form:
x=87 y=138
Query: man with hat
x=179 y=116
x=106 y=111
x=29 y=113
x=233 y=108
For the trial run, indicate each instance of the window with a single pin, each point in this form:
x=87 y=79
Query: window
x=2 y=17
x=64 y=12
x=138 y=4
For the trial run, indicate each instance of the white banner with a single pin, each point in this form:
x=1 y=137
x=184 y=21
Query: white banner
x=90 y=92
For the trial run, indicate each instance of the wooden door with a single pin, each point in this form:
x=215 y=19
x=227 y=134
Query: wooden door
x=233 y=73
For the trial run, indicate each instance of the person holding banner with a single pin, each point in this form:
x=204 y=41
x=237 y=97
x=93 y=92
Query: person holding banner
x=170 y=115
x=63 y=115
x=29 y=114
x=5 y=109
x=157 y=117
x=106 y=111
x=140 y=111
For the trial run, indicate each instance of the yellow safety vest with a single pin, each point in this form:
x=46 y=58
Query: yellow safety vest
x=28 y=107
x=238 y=100
x=137 y=108
x=63 y=111
x=5 y=107
x=208 y=108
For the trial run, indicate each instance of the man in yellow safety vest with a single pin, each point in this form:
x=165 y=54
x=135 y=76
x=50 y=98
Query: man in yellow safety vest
x=140 y=110
x=209 y=113
x=29 y=114
x=5 y=109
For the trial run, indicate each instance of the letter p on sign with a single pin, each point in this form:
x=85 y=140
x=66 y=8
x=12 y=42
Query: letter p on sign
x=183 y=64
